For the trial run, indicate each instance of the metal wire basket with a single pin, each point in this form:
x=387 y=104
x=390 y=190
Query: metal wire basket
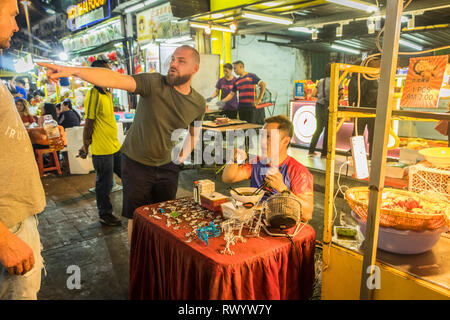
x=282 y=211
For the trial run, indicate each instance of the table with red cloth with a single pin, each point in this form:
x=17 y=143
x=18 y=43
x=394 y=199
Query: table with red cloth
x=163 y=265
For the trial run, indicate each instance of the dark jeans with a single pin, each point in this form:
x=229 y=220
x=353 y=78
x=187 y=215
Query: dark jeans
x=321 y=124
x=143 y=185
x=251 y=114
x=230 y=114
x=105 y=167
x=370 y=123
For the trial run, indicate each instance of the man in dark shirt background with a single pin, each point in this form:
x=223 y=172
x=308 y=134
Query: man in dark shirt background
x=246 y=85
x=369 y=92
x=225 y=85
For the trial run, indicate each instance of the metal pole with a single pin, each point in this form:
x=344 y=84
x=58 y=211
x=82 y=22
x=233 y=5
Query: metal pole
x=385 y=104
x=25 y=4
x=331 y=153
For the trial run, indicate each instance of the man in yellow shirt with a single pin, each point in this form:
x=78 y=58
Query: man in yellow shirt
x=100 y=132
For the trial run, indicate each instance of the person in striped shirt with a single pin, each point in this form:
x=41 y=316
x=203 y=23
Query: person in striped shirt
x=246 y=85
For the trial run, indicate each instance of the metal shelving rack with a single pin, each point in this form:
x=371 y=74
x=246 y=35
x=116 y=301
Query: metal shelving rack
x=384 y=114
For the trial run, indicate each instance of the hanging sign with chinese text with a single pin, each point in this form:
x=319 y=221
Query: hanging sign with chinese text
x=155 y=23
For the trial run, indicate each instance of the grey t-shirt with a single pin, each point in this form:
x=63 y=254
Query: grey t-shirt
x=21 y=191
x=161 y=110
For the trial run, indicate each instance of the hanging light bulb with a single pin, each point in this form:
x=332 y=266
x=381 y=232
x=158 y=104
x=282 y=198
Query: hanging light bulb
x=314 y=33
x=233 y=26
x=411 y=22
x=370 y=26
x=208 y=30
x=339 y=31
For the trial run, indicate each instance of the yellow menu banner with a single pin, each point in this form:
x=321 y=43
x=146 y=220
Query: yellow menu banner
x=424 y=82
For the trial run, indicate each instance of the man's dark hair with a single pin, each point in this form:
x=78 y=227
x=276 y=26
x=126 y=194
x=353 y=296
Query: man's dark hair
x=228 y=66
x=283 y=124
x=239 y=62
x=100 y=64
x=21 y=81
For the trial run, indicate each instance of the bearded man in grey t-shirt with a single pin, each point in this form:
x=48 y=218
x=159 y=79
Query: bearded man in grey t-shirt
x=167 y=103
x=22 y=196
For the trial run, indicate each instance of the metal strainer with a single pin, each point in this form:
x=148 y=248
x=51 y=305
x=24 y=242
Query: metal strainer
x=282 y=211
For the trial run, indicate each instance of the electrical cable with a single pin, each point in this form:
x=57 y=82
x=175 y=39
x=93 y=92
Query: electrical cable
x=374 y=57
x=298 y=254
x=340 y=189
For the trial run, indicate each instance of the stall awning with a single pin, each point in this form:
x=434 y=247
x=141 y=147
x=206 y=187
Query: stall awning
x=326 y=16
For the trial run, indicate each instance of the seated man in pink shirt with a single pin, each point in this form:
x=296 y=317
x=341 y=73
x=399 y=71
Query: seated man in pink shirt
x=281 y=172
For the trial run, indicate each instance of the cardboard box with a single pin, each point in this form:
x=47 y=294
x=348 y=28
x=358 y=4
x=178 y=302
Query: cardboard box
x=213 y=201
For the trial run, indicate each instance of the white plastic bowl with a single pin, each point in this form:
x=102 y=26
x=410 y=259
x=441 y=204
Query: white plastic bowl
x=244 y=199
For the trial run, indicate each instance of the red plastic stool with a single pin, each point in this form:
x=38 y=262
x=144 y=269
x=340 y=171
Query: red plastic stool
x=54 y=162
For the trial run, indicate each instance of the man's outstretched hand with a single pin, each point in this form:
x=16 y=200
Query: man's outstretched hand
x=55 y=72
x=15 y=254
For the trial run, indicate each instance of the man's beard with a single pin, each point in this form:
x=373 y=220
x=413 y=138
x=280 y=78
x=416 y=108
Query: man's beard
x=5 y=43
x=177 y=80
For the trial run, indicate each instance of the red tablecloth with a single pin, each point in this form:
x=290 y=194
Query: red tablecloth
x=164 y=266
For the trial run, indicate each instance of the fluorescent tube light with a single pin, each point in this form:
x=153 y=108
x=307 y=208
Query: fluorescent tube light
x=134 y=8
x=179 y=39
x=212 y=27
x=220 y=28
x=337 y=47
x=138 y=6
x=217 y=15
x=356 y=5
x=199 y=25
x=410 y=44
x=266 y=17
x=301 y=29
x=272 y=4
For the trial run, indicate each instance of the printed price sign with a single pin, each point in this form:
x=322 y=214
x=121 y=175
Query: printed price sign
x=423 y=82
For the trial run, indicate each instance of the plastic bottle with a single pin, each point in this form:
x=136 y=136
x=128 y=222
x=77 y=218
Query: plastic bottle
x=55 y=141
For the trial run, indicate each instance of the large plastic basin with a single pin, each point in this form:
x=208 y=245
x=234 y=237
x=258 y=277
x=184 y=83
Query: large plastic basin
x=404 y=241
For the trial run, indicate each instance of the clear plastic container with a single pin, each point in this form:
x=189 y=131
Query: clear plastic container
x=55 y=141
